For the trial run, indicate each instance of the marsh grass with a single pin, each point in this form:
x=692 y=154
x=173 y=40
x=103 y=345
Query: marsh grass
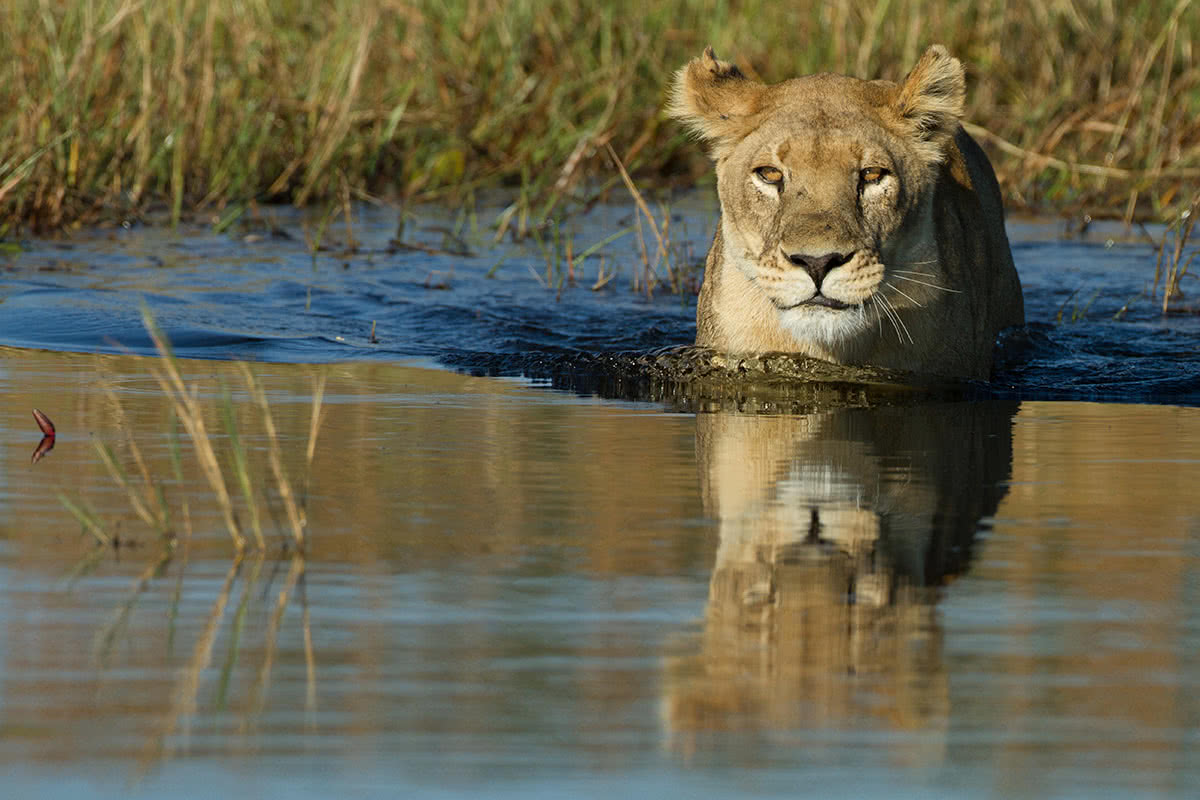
x=113 y=108
x=1079 y=310
x=223 y=461
x=1174 y=259
x=227 y=465
x=659 y=263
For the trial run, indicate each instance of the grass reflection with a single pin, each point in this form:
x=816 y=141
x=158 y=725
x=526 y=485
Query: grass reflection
x=230 y=618
x=173 y=736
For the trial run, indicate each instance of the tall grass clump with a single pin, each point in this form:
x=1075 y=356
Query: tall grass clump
x=1174 y=256
x=188 y=410
x=221 y=456
x=112 y=107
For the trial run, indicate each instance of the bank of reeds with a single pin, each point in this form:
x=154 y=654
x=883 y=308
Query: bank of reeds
x=111 y=107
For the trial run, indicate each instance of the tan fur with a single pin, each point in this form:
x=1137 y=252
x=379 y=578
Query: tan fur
x=835 y=531
x=910 y=271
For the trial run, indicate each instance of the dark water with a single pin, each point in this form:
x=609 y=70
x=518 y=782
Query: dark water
x=257 y=292
x=510 y=590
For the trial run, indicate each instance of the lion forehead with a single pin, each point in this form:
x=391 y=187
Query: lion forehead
x=833 y=92
x=828 y=148
x=819 y=139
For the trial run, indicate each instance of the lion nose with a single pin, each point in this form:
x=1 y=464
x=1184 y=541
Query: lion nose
x=818 y=267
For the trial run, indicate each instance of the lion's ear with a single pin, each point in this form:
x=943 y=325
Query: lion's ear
x=715 y=100
x=931 y=99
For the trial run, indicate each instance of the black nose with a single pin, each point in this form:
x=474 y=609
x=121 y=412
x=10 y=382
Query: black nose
x=818 y=267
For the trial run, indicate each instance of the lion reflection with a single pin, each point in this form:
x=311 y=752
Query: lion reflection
x=836 y=531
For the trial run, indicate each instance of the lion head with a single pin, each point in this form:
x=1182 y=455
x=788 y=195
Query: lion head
x=829 y=190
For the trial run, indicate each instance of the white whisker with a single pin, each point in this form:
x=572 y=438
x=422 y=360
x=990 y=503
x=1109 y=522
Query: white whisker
x=911 y=299
x=881 y=304
x=891 y=317
x=924 y=283
x=895 y=315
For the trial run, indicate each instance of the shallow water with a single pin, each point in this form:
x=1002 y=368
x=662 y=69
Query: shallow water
x=511 y=589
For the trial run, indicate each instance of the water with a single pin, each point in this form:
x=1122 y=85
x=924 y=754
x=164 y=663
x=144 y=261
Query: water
x=515 y=590
x=256 y=292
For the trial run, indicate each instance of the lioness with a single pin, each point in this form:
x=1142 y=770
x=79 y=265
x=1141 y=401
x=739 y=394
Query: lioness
x=860 y=224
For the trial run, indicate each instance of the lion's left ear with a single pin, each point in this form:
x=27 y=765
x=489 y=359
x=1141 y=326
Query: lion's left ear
x=931 y=99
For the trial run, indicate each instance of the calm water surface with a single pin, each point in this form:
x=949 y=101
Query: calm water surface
x=514 y=590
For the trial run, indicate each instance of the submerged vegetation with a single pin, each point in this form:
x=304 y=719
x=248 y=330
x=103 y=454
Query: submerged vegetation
x=110 y=108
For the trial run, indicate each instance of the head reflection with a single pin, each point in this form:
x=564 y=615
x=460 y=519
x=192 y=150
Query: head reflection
x=837 y=530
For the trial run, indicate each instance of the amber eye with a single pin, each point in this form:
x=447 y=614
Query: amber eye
x=872 y=174
x=771 y=175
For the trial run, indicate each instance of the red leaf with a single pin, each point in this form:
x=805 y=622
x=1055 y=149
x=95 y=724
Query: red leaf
x=43 y=422
x=44 y=446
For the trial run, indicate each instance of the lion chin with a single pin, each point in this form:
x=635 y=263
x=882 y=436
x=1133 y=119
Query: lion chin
x=859 y=222
x=831 y=329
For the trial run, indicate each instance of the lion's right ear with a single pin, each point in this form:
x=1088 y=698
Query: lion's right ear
x=715 y=100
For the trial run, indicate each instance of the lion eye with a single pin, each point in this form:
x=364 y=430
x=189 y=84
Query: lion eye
x=872 y=174
x=771 y=175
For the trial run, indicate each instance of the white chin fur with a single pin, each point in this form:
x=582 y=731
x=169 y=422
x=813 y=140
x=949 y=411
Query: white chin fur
x=824 y=326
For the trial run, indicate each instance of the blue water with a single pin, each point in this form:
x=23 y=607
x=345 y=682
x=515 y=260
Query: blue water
x=451 y=296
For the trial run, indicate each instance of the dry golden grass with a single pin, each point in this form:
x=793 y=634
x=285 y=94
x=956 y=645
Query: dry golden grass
x=109 y=108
